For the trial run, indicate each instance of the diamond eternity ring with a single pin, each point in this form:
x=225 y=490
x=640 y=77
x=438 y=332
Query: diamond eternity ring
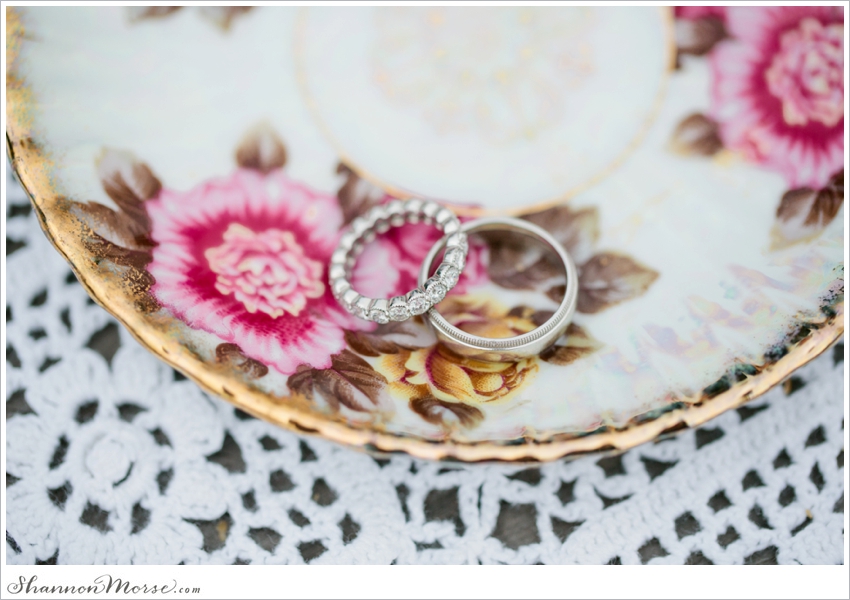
x=379 y=219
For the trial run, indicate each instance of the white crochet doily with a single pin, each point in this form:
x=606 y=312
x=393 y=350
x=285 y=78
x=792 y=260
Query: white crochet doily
x=113 y=457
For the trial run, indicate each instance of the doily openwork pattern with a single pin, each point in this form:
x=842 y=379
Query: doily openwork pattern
x=113 y=457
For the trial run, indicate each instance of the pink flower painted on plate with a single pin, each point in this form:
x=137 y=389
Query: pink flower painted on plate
x=244 y=258
x=265 y=271
x=699 y=12
x=807 y=74
x=778 y=89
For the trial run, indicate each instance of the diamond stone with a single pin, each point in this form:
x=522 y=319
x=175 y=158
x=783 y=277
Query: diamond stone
x=451 y=227
x=339 y=287
x=349 y=298
x=398 y=309
x=458 y=240
x=379 y=316
x=455 y=257
x=435 y=289
x=418 y=302
x=449 y=275
x=361 y=308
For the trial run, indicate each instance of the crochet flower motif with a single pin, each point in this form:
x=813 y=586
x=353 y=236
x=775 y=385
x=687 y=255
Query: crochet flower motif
x=777 y=99
x=111 y=461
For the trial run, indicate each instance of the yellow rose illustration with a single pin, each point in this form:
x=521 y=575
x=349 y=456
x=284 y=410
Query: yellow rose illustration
x=438 y=374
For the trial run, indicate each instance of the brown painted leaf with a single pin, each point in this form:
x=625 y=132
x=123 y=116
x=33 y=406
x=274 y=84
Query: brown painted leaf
x=538 y=317
x=349 y=372
x=139 y=282
x=140 y=279
x=698 y=36
x=255 y=368
x=147 y=303
x=139 y=13
x=232 y=353
x=223 y=16
x=102 y=248
x=575 y=344
x=609 y=278
x=541 y=316
x=516 y=264
x=507 y=268
x=386 y=339
x=135 y=275
x=129 y=183
x=434 y=411
x=577 y=230
x=696 y=134
x=350 y=381
x=803 y=213
x=113 y=226
x=356 y=195
x=369 y=344
x=301 y=382
x=261 y=149
x=556 y=292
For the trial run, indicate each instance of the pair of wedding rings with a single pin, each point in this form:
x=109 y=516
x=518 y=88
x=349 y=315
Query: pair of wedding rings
x=433 y=288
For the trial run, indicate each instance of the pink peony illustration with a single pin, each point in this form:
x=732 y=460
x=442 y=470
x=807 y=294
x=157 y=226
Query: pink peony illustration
x=265 y=271
x=245 y=258
x=778 y=89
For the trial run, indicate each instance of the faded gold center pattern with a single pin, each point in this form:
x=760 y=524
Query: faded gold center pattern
x=502 y=74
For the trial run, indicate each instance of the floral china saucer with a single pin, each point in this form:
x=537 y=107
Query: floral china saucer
x=195 y=166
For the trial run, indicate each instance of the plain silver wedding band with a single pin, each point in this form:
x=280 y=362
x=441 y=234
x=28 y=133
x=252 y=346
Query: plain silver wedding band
x=521 y=346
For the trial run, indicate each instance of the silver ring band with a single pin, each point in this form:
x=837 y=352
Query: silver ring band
x=521 y=346
x=379 y=219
